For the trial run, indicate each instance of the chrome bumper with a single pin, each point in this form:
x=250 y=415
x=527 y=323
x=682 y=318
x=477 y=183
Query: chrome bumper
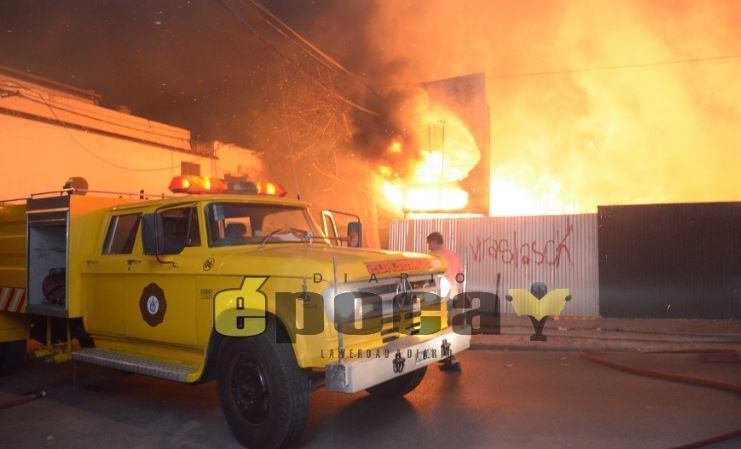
x=392 y=360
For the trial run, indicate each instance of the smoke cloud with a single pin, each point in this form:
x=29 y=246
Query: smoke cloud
x=568 y=141
x=563 y=137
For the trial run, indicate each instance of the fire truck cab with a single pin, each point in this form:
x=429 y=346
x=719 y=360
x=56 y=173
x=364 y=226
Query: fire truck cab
x=243 y=288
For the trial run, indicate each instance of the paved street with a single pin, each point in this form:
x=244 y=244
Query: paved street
x=502 y=399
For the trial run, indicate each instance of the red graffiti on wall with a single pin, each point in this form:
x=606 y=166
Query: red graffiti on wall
x=512 y=251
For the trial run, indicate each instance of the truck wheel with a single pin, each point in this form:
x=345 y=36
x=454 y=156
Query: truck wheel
x=263 y=391
x=399 y=386
x=12 y=355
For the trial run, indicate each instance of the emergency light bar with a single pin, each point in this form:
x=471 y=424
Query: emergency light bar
x=201 y=185
x=196 y=184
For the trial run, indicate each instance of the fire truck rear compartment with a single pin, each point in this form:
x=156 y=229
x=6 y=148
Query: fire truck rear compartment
x=48 y=230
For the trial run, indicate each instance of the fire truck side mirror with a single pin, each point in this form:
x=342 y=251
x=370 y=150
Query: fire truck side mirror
x=154 y=240
x=355 y=234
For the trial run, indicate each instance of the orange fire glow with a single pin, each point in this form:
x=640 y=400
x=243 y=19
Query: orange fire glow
x=430 y=182
x=614 y=102
x=525 y=198
x=395 y=147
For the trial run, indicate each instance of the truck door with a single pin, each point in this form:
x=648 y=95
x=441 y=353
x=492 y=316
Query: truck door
x=161 y=290
x=106 y=272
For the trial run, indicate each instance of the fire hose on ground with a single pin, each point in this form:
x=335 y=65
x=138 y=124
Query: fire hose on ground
x=706 y=355
x=28 y=397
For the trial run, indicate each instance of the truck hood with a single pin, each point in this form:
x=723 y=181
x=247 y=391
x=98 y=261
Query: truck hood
x=308 y=260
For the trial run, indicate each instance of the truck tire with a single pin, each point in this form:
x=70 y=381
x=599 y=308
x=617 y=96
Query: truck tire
x=399 y=386
x=263 y=391
x=12 y=355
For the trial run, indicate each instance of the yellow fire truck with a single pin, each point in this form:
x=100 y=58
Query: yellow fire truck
x=244 y=288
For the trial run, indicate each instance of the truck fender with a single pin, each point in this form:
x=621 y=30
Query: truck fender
x=217 y=342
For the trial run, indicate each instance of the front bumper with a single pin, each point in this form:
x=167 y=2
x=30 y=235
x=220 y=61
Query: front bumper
x=394 y=359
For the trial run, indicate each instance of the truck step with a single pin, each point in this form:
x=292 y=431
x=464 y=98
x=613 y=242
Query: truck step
x=135 y=364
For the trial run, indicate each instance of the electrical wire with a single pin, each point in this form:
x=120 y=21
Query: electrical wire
x=592 y=69
x=612 y=67
x=323 y=58
x=287 y=61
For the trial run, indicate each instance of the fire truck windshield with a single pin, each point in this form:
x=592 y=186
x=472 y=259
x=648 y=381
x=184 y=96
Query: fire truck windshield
x=232 y=224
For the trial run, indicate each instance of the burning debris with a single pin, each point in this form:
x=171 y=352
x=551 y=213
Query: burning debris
x=423 y=173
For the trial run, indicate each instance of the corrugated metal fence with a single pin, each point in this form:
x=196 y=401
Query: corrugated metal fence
x=560 y=251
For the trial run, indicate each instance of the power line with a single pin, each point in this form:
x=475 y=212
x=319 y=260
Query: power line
x=612 y=67
x=259 y=13
x=324 y=59
x=283 y=33
x=287 y=61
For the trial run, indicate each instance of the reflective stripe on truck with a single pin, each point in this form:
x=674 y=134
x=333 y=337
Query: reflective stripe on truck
x=12 y=299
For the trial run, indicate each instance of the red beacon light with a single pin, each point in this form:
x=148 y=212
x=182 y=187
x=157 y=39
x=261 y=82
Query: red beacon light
x=270 y=188
x=196 y=185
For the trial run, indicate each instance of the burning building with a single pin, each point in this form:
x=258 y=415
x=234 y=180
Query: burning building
x=446 y=167
x=579 y=108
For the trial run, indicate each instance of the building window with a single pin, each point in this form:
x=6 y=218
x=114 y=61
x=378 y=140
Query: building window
x=189 y=168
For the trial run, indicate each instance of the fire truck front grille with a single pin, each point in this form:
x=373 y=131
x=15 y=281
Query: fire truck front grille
x=399 y=313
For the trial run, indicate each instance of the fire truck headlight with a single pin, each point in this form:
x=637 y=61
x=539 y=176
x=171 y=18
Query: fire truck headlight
x=358 y=309
x=444 y=287
x=343 y=308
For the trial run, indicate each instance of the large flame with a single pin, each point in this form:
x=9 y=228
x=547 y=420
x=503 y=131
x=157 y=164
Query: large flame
x=426 y=178
x=448 y=153
x=514 y=197
x=613 y=102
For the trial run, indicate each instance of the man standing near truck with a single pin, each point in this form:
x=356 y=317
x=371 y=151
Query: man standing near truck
x=455 y=274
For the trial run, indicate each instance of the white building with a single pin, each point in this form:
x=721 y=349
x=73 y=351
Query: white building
x=50 y=131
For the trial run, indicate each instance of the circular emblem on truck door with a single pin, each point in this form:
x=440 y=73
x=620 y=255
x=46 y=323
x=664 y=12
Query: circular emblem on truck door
x=152 y=304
